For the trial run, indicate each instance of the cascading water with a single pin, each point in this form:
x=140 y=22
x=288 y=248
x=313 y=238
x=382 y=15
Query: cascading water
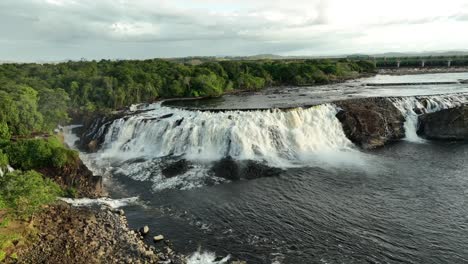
x=413 y=106
x=139 y=146
x=277 y=137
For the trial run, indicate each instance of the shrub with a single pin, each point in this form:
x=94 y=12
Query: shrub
x=31 y=154
x=3 y=159
x=25 y=192
x=70 y=192
x=4 y=131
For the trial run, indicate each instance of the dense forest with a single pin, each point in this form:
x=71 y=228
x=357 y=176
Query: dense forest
x=45 y=91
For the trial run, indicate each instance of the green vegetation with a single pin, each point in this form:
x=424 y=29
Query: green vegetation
x=27 y=154
x=23 y=193
x=48 y=90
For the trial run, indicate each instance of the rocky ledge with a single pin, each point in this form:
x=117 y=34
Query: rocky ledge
x=78 y=177
x=449 y=124
x=69 y=234
x=371 y=122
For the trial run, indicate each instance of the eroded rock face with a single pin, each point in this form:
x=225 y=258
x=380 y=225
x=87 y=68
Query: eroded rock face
x=371 y=122
x=76 y=176
x=450 y=124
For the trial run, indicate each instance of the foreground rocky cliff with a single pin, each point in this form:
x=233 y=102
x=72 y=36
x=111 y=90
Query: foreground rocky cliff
x=69 y=234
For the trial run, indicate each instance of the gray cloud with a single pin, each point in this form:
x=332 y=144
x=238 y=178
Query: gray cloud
x=59 y=29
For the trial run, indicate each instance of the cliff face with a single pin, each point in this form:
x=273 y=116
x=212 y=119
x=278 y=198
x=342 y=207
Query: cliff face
x=371 y=122
x=450 y=124
x=78 y=177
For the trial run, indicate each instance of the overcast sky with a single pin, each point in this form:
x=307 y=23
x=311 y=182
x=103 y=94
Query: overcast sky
x=32 y=30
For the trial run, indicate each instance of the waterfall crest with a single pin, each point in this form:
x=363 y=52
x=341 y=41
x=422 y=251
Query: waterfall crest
x=273 y=136
x=413 y=106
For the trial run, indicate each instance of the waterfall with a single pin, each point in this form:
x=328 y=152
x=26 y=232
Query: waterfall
x=277 y=137
x=413 y=106
x=142 y=144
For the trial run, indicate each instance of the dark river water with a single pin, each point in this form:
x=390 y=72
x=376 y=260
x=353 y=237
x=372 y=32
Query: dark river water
x=330 y=203
x=409 y=204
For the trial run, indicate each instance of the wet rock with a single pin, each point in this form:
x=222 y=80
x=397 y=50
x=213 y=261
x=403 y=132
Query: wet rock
x=176 y=168
x=448 y=124
x=178 y=122
x=158 y=238
x=371 y=122
x=419 y=111
x=218 y=259
x=92 y=145
x=144 y=230
x=254 y=170
x=166 y=116
x=227 y=168
x=233 y=170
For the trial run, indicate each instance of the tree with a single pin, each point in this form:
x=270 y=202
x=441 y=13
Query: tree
x=4 y=132
x=20 y=109
x=53 y=105
x=25 y=192
x=207 y=85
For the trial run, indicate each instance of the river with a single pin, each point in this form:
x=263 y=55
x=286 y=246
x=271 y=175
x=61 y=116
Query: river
x=327 y=201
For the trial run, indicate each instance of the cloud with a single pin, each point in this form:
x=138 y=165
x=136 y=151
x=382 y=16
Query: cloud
x=46 y=29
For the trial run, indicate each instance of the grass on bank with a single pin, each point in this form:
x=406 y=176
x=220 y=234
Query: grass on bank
x=22 y=194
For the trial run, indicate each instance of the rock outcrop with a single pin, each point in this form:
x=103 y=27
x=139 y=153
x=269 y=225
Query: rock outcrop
x=371 y=122
x=450 y=124
x=68 y=234
x=78 y=177
x=234 y=170
x=176 y=168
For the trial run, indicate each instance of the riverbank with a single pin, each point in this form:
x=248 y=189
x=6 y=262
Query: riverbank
x=67 y=234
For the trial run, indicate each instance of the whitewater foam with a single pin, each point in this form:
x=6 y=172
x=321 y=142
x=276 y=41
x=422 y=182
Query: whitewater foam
x=280 y=138
x=112 y=203
x=206 y=257
x=139 y=146
x=424 y=104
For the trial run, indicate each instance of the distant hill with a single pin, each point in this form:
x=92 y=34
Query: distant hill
x=195 y=60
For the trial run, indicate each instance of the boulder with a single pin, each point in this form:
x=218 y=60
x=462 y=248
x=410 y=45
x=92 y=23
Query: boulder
x=448 y=124
x=233 y=170
x=227 y=168
x=371 y=122
x=93 y=145
x=144 y=230
x=254 y=170
x=176 y=168
x=158 y=238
